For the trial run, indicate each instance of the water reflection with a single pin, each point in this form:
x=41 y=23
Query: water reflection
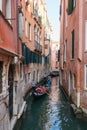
x=50 y=113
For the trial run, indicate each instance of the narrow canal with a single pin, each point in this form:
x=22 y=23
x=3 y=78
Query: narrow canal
x=51 y=112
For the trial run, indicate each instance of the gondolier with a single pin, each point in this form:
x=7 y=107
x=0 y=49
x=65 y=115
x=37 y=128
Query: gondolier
x=48 y=82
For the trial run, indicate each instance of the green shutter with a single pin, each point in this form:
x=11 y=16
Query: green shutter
x=72 y=44
x=24 y=53
x=60 y=10
x=58 y=55
x=70 y=6
x=27 y=56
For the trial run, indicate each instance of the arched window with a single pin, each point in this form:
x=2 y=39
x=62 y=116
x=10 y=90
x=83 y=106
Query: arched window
x=35 y=33
x=40 y=38
x=38 y=35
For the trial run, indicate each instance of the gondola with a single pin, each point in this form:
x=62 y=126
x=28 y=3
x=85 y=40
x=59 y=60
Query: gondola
x=40 y=91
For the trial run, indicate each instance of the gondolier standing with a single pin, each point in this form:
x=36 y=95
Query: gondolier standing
x=48 y=82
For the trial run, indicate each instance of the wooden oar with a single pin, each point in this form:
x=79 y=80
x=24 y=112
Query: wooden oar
x=47 y=93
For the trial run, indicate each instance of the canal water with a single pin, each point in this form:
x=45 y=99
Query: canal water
x=51 y=112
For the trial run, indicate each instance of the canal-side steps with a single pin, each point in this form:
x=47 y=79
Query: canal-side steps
x=77 y=111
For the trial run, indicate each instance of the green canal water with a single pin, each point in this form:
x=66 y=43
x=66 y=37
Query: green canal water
x=51 y=112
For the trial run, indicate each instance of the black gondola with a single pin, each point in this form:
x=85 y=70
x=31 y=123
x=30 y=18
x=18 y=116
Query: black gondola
x=40 y=91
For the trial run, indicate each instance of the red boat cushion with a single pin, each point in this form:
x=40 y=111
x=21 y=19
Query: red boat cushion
x=40 y=89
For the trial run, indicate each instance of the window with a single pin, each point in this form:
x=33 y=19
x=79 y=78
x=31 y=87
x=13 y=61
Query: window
x=72 y=44
x=29 y=31
x=73 y=81
x=26 y=78
x=26 y=29
x=1 y=5
x=74 y=3
x=46 y=46
x=71 y=6
x=66 y=19
x=35 y=33
x=34 y=75
x=29 y=77
x=40 y=38
x=60 y=10
x=58 y=55
x=85 y=76
x=65 y=51
x=21 y=71
x=86 y=36
x=8 y=10
x=20 y=24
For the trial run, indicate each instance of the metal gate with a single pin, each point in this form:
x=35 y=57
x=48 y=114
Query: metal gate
x=10 y=83
x=1 y=69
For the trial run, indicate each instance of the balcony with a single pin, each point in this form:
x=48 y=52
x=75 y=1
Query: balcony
x=37 y=17
x=7 y=41
x=39 y=20
x=38 y=47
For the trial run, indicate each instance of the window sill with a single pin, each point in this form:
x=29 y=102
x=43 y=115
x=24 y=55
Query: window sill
x=72 y=59
x=85 y=51
x=85 y=89
x=29 y=39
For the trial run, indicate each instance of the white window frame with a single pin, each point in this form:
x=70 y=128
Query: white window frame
x=20 y=24
x=73 y=81
x=65 y=51
x=29 y=32
x=26 y=28
x=74 y=3
x=21 y=70
x=66 y=19
x=86 y=35
x=8 y=10
x=0 y=5
x=85 y=76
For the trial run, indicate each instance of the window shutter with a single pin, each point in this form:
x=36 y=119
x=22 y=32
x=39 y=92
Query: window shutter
x=27 y=56
x=24 y=53
x=73 y=44
x=60 y=10
x=20 y=24
x=70 y=6
x=58 y=55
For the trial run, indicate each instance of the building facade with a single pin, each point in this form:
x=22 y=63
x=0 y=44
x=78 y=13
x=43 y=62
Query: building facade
x=22 y=34
x=54 y=55
x=73 y=48
x=32 y=17
x=10 y=55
